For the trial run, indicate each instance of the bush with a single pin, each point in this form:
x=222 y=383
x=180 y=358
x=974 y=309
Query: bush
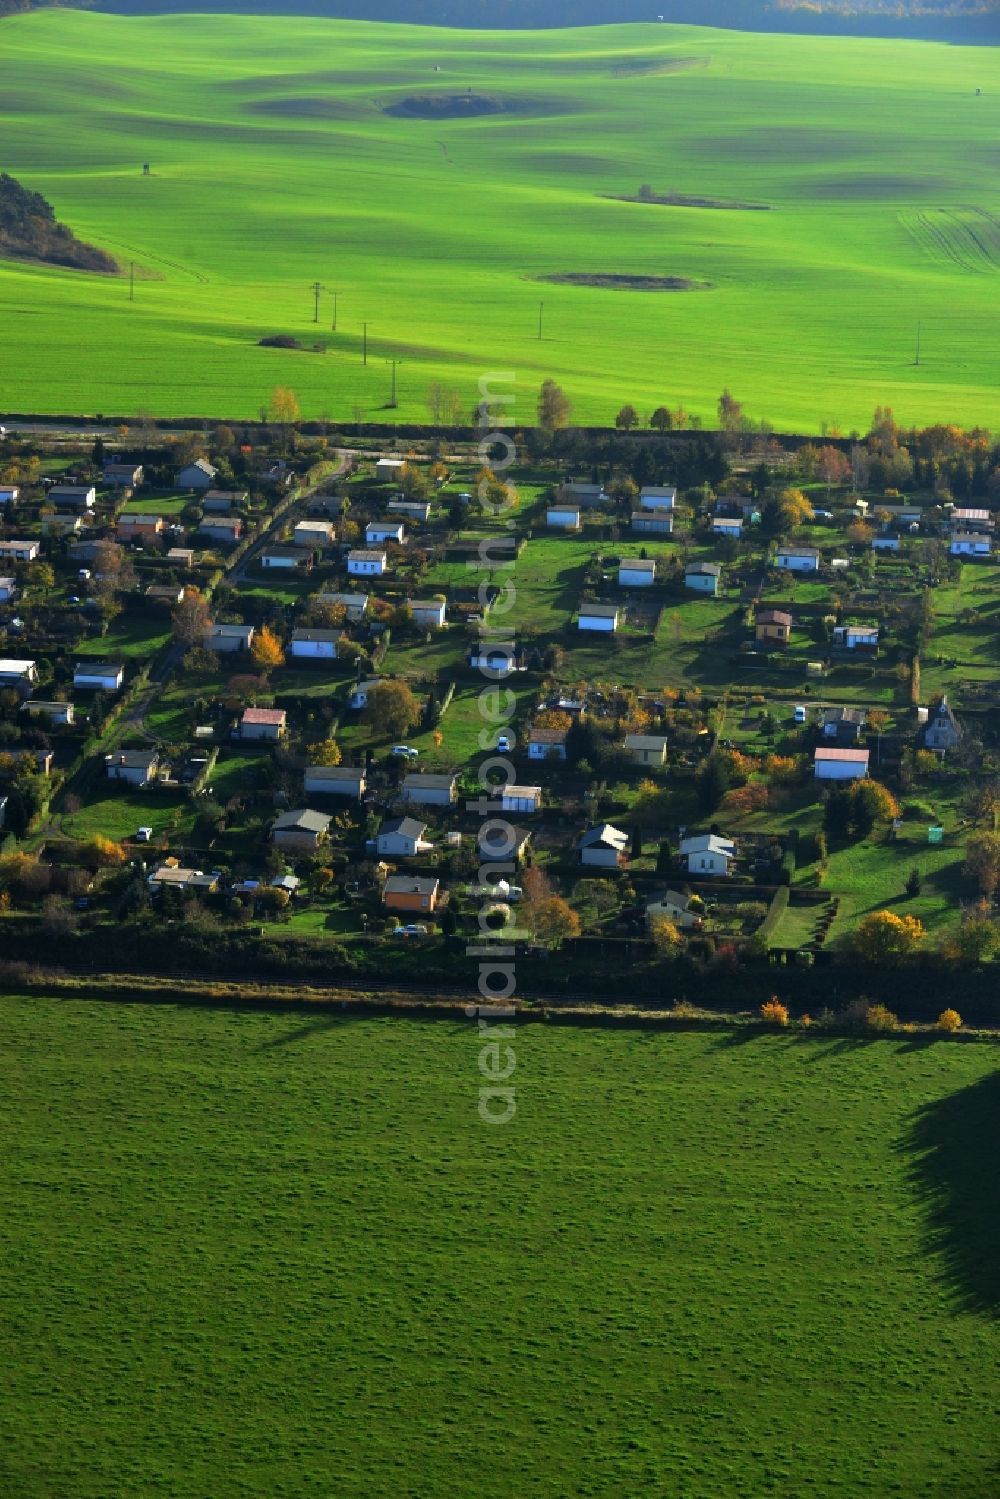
x=773 y=1012
x=949 y=1020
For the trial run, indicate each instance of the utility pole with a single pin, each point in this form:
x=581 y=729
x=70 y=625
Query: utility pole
x=393 y=403
x=541 y=309
x=316 y=290
x=131 y=280
x=917 y=359
x=364 y=344
x=334 y=294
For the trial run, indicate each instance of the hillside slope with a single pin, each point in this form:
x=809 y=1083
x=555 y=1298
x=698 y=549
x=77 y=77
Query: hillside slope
x=955 y=20
x=285 y=152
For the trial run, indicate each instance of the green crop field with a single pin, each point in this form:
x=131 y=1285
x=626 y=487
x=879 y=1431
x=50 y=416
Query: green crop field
x=280 y=1254
x=853 y=182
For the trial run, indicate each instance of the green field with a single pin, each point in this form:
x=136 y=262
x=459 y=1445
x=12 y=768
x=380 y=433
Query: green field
x=265 y=1254
x=274 y=164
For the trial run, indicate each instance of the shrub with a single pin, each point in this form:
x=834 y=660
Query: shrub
x=773 y=1012
x=880 y=1018
x=949 y=1020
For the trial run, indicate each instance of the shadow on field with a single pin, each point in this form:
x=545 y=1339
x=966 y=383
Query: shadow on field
x=953 y=1142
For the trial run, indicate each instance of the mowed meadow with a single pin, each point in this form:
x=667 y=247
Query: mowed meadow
x=280 y=1254
x=858 y=178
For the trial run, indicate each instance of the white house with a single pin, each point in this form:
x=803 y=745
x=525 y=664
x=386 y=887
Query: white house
x=797 y=559
x=223 y=501
x=547 y=744
x=8 y=588
x=225 y=529
x=15 y=671
x=515 y=798
x=496 y=661
x=703 y=577
x=286 y=559
x=56 y=713
x=636 y=572
x=707 y=853
x=19 y=551
x=355 y=604
x=886 y=543
x=402 y=838
x=335 y=780
x=856 y=637
x=313 y=533
x=563 y=517
x=652 y=522
x=730 y=526
x=361 y=692
x=384 y=530
x=99 y=676
x=428 y=612
x=134 y=767
x=314 y=645
x=675 y=906
x=263 y=723
x=418 y=510
x=389 y=468
x=647 y=749
x=197 y=475
x=970 y=544
x=840 y=764
x=228 y=639
x=301 y=830
x=598 y=617
x=652 y=497
x=364 y=562
x=429 y=790
x=605 y=846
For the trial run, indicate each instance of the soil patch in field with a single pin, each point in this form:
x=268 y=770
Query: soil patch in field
x=300 y=107
x=684 y=200
x=643 y=67
x=615 y=282
x=449 y=106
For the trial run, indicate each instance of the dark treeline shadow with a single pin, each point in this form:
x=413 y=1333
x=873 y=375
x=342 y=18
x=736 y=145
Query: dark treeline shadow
x=953 y=1145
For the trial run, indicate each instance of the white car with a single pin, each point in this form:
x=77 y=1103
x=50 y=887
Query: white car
x=415 y=929
x=503 y=744
x=405 y=751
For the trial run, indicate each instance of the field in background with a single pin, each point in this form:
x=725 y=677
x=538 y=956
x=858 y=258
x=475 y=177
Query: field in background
x=281 y=1254
x=275 y=164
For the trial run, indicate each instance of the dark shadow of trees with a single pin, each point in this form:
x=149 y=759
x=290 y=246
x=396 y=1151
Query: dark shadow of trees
x=954 y=1145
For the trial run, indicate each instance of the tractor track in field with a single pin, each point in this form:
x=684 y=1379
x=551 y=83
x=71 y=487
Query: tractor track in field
x=967 y=237
x=172 y=265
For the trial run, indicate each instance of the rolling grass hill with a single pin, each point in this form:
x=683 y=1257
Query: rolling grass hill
x=280 y=1254
x=289 y=150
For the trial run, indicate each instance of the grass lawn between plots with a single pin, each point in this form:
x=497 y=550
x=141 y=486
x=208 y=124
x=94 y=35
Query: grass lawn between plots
x=283 y=1254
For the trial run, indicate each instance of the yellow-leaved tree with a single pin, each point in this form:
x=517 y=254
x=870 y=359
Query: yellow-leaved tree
x=886 y=940
x=266 y=650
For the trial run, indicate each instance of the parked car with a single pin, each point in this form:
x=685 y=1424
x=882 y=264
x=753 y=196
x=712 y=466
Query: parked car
x=823 y=514
x=800 y=713
x=503 y=744
x=406 y=751
x=415 y=929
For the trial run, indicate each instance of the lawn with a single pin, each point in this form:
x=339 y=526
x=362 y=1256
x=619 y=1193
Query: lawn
x=128 y=639
x=151 y=503
x=281 y=1254
x=878 y=181
x=116 y=812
